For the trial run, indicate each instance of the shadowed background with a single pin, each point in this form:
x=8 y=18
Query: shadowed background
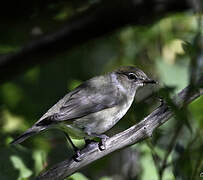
x=67 y=42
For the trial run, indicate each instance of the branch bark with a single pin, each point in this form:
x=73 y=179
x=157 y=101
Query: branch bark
x=133 y=135
x=104 y=17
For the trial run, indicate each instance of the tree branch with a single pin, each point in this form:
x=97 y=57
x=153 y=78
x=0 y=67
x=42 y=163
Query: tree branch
x=133 y=135
x=104 y=17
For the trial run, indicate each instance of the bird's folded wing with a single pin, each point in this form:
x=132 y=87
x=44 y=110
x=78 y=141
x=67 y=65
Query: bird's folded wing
x=81 y=102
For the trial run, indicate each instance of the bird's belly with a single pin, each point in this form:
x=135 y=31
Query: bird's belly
x=102 y=121
x=96 y=123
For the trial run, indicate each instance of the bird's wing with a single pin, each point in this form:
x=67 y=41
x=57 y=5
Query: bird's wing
x=83 y=101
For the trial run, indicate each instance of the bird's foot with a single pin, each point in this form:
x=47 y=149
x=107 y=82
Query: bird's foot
x=79 y=154
x=77 y=157
x=102 y=144
x=103 y=137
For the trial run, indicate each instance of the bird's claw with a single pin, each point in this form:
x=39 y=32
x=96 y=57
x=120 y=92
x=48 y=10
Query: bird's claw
x=103 y=137
x=102 y=144
x=77 y=157
x=88 y=147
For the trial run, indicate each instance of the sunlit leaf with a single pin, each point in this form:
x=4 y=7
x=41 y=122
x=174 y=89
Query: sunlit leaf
x=12 y=122
x=39 y=157
x=77 y=176
x=19 y=164
x=173 y=75
x=171 y=49
x=106 y=178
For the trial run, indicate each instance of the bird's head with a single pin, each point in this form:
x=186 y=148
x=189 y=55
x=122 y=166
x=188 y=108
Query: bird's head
x=132 y=78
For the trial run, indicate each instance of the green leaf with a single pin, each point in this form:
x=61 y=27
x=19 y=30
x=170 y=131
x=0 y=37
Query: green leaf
x=12 y=94
x=77 y=176
x=105 y=178
x=196 y=110
x=175 y=75
x=39 y=157
x=18 y=164
x=73 y=84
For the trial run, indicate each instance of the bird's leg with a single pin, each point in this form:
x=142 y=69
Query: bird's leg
x=76 y=150
x=102 y=144
x=103 y=138
x=87 y=141
x=71 y=142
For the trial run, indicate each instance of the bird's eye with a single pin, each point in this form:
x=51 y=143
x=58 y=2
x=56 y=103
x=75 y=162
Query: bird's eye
x=132 y=76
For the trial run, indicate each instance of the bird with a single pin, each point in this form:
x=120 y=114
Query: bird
x=93 y=107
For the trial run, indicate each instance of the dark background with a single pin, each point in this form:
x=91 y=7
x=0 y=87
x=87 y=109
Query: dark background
x=49 y=47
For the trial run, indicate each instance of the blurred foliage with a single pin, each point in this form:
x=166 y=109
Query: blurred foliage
x=157 y=49
x=77 y=176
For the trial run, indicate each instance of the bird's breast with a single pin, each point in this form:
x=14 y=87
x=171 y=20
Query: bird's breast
x=102 y=121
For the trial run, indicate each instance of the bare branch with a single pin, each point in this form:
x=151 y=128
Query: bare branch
x=134 y=134
x=104 y=17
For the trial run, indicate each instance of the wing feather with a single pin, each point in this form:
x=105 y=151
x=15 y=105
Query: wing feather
x=85 y=102
x=86 y=99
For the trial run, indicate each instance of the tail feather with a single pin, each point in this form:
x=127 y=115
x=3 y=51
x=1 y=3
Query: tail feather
x=30 y=132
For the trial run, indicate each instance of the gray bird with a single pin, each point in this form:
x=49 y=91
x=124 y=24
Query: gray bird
x=93 y=107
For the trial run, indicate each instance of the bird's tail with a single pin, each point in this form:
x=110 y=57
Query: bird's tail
x=30 y=132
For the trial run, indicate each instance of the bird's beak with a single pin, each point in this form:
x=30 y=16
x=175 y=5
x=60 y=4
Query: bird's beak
x=150 y=81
